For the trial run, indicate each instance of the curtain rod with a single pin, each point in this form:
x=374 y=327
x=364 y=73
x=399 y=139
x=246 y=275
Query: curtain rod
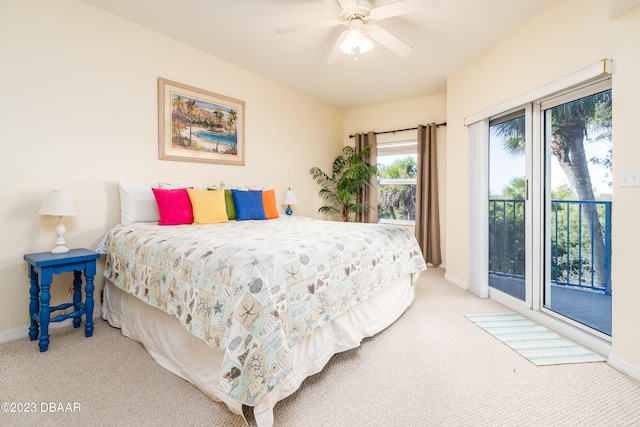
x=401 y=130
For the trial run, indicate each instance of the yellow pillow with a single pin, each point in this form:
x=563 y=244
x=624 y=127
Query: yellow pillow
x=208 y=206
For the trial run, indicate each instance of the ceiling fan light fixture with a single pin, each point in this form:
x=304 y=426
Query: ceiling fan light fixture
x=351 y=41
x=356 y=39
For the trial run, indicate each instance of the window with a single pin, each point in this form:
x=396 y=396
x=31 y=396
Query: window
x=397 y=173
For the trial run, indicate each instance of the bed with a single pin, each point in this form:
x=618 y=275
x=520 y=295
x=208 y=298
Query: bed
x=246 y=310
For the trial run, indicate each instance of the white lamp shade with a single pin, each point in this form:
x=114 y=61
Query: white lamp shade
x=365 y=44
x=59 y=203
x=290 y=198
x=351 y=41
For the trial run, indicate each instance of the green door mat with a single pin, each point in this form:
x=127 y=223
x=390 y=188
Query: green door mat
x=534 y=342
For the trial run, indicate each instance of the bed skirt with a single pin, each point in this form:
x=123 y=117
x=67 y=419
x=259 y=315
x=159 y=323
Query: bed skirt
x=189 y=357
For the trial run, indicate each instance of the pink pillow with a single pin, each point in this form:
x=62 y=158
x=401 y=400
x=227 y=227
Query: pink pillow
x=174 y=206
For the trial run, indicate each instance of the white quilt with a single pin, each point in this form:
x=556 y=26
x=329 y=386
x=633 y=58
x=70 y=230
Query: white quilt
x=254 y=288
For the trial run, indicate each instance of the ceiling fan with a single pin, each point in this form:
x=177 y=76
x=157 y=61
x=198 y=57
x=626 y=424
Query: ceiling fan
x=358 y=16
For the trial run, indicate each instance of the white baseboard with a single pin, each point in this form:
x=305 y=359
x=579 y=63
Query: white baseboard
x=623 y=366
x=448 y=277
x=23 y=331
x=14 y=334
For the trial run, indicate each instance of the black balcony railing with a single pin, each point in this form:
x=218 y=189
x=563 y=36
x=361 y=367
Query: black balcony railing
x=580 y=234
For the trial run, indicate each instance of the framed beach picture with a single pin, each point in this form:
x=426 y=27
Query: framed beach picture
x=199 y=126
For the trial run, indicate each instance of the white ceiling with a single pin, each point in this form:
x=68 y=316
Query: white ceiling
x=242 y=32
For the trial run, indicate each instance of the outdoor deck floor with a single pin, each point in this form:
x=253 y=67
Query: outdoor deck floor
x=587 y=307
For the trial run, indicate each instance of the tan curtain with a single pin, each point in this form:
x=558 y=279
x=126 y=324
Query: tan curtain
x=368 y=194
x=427 y=209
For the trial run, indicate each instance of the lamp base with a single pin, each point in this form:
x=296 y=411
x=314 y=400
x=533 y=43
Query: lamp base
x=60 y=250
x=288 y=211
x=60 y=242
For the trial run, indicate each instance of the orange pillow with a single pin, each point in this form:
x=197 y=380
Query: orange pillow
x=269 y=202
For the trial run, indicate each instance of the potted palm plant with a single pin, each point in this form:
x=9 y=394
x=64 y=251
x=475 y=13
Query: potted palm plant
x=349 y=174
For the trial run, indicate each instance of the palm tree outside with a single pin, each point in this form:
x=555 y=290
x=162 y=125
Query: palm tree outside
x=397 y=200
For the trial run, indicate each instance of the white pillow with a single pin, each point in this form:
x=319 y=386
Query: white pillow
x=173 y=185
x=246 y=187
x=137 y=202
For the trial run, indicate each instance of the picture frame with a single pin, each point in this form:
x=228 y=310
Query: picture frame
x=196 y=125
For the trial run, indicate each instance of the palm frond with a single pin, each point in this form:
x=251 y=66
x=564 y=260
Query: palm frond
x=515 y=146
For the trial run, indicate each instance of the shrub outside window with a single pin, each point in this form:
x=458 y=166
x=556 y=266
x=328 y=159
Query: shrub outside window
x=397 y=173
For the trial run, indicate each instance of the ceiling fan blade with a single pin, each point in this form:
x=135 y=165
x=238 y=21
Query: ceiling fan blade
x=309 y=26
x=402 y=7
x=389 y=41
x=336 y=53
x=348 y=4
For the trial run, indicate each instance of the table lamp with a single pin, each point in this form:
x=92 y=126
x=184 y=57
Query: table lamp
x=289 y=199
x=59 y=203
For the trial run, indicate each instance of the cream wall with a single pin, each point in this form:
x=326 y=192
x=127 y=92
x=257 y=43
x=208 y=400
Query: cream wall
x=404 y=115
x=78 y=111
x=567 y=36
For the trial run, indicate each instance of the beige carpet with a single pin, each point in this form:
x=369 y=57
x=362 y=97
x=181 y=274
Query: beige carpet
x=433 y=367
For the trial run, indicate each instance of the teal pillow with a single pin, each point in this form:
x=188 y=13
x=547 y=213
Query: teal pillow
x=249 y=205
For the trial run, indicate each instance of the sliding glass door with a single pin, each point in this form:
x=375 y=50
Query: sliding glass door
x=550 y=204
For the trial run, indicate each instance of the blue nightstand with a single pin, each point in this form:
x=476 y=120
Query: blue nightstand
x=42 y=267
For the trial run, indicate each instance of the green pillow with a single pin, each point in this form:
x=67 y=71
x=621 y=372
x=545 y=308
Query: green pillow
x=231 y=206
